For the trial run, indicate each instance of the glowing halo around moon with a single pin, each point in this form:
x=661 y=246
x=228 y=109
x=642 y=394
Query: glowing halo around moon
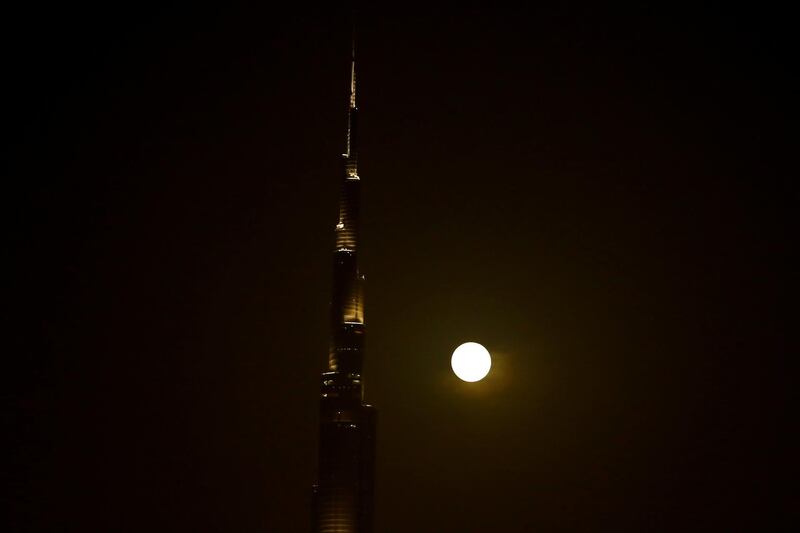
x=471 y=362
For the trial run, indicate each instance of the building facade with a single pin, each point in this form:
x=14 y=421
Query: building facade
x=343 y=495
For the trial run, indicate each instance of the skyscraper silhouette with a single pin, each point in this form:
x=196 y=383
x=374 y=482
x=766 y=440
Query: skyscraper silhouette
x=343 y=494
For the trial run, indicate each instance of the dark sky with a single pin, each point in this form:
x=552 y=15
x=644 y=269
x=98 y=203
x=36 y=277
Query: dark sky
x=601 y=197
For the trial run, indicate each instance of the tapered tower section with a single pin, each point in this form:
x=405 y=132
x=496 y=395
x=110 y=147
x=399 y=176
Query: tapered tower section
x=343 y=494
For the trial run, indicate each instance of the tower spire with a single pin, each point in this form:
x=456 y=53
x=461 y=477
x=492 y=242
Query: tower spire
x=353 y=72
x=351 y=154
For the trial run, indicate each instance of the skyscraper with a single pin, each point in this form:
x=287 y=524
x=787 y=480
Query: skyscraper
x=343 y=494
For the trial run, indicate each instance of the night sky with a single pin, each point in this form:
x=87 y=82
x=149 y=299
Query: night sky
x=599 y=196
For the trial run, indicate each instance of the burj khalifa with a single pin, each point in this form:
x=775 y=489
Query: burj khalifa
x=343 y=495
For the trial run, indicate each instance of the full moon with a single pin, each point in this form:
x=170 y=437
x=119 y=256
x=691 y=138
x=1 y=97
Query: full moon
x=471 y=362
